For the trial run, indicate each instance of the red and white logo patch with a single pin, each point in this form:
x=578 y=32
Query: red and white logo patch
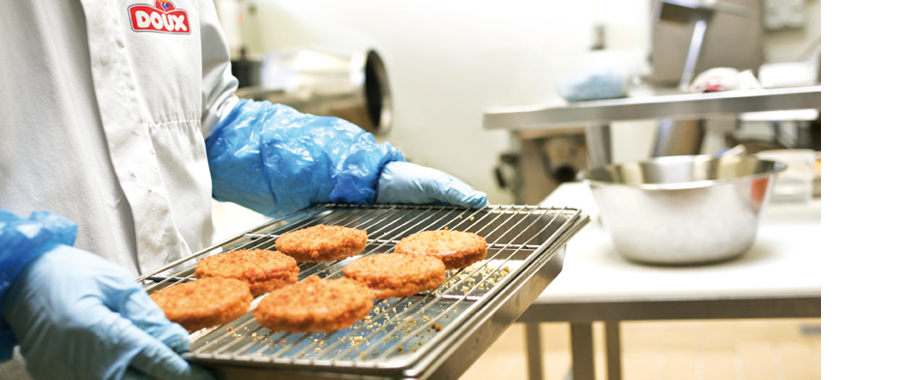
x=163 y=17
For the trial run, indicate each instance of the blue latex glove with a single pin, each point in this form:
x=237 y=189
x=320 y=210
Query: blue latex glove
x=275 y=160
x=21 y=241
x=79 y=316
x=403 y=182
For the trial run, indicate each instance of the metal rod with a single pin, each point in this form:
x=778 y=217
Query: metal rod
x=258 y=236
x=498 y=246
x=448 y=297
x=613 y=350
x=170 y=279
x=695 y=46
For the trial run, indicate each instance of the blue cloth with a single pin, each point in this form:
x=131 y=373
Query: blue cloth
x=275 y=160
x=603 y=83
x=21 y=241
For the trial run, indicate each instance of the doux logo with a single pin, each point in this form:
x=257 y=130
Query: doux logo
x=163 y=17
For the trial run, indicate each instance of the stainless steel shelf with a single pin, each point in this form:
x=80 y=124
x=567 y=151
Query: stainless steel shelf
x=651 y=107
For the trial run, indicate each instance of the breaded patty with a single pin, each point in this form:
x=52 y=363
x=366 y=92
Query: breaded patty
x=322 y=243
x=456 y=249
x=204 y=302
x=314 y=305
x=264 y=270
x=397 y=274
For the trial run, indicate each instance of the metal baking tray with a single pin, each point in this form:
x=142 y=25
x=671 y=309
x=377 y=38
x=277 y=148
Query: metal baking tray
x=436 y=334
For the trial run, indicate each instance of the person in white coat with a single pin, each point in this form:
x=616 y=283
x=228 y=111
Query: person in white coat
x=118 y=123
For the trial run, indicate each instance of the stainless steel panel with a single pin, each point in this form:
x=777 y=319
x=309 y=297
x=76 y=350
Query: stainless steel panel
x=734 y=38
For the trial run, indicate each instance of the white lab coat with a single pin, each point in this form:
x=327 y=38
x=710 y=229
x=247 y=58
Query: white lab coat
x=105 y=124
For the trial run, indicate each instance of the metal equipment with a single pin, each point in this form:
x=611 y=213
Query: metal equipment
x=527 y=122
x=691 y=36
x=540 y=162
x=436 y=334
x=733 y=44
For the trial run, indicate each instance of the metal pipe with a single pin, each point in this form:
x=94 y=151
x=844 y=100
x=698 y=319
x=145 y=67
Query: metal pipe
x=698 y=35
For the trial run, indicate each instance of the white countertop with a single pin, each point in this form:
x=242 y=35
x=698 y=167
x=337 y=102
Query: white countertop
x=783 y=262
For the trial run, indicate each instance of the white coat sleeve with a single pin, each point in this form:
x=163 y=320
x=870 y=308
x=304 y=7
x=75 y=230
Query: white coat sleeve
x=219 y=84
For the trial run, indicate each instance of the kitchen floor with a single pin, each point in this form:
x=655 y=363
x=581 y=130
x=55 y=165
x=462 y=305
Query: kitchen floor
x=779 y=349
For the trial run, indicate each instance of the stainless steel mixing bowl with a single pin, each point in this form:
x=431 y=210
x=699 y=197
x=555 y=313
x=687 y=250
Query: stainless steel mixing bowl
x=683 y=209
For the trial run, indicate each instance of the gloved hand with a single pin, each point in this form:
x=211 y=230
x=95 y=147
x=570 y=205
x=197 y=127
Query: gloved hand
x=275 y=160
x=78 y=316
x=403 y=182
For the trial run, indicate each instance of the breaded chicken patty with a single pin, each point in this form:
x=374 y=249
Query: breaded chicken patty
x=314 y=305
x=264 y=270
x=322 y=243
x=456 y=249
x=397 y=274
x=204 y=302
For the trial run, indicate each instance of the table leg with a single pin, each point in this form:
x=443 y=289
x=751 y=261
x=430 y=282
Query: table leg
x=533 y=351
x=582 y=350
x=613 y=350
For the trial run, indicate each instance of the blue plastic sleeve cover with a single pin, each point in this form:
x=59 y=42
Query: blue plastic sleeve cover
x=275 y=160
x=21 y=241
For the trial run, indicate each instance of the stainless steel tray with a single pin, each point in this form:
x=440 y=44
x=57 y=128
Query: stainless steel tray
x=436 y=334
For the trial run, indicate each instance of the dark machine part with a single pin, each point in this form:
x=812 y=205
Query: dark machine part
x=506 y=169
x=561 y=156
x=247 y=71
x=782 y=134
x=543 y=161
x=815 y=133
x=376 y=90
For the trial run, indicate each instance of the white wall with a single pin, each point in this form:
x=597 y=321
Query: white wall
x=794 y=45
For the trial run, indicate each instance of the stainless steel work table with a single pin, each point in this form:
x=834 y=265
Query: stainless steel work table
x=776 y=278
x=642 y=104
